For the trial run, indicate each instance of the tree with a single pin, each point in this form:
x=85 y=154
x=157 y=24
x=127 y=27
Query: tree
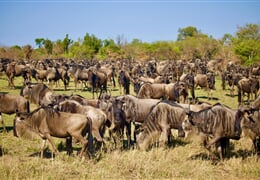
x=39 y=42
x=189 y=31
x=48 y=46
x=247 y=43
x=66 y=43
x=92 y=44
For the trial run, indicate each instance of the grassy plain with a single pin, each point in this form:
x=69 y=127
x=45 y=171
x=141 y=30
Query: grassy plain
x=19 y=158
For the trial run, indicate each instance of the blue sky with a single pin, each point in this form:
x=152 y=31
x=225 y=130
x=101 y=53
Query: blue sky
x=21 y=22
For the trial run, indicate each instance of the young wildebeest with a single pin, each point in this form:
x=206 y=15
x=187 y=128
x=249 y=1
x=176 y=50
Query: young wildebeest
x=37 y=93
x=217 y=122
x=163 y=117
x=9 y=103
x=47 y=122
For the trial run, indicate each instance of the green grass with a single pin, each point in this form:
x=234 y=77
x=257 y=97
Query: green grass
x=19 y=158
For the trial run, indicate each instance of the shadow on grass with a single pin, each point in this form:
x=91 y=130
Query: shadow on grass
x=46 y=154
x=8 y=128
x=206 y=97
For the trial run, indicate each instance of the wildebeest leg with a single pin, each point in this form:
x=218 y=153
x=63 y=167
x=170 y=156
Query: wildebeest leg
x=219 y=149
x=69 y=145
x=222 y=146
x=211 y=142
x=83 y=142
x=165 y=133
x=42 y=146
x=128 y=133
x=52 y=144
x=2 y=122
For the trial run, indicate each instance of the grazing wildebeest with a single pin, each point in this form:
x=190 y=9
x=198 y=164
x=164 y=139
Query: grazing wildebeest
x=247 y=85
x=9 y=103
x=163 y=117
x=217 y=122
x=124 y=81
x=37 y=93
x=48 y=123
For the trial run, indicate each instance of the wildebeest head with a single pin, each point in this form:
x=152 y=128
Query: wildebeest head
x=251 y=119
x=144 y=139
x=22 y=128
x=187 y=124
x=118 y=113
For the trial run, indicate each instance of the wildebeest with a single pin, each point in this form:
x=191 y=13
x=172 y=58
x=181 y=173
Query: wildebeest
x=14 y=69
x=97 y=116
x=119 y=123
x=152 y=90
x=124 y=81
x=176 y=91
x=247 y=85
x=79 y=73
x=9 y=103
x=251 y=128
x=136 y=109
x=232 y=79
x=217 y=122
x=48 y=123
x=205 y=81
x=54 y=74
x=251 y=125
x=97 y=79
x=163 y=117
x=37 y=93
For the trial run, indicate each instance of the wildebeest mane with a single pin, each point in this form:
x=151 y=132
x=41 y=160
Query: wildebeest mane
x=69 y=106
x=49 y=110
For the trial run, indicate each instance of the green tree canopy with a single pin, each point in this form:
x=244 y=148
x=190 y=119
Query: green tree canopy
x=189 y=31
x=247 y=43
x=48 y=45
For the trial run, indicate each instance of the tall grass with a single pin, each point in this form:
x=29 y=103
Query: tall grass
x=186 y=159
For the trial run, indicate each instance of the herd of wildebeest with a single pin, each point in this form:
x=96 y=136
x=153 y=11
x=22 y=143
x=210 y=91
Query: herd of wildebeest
x=164 y=99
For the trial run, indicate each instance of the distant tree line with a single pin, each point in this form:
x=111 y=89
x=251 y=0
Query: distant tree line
x=191 y=43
